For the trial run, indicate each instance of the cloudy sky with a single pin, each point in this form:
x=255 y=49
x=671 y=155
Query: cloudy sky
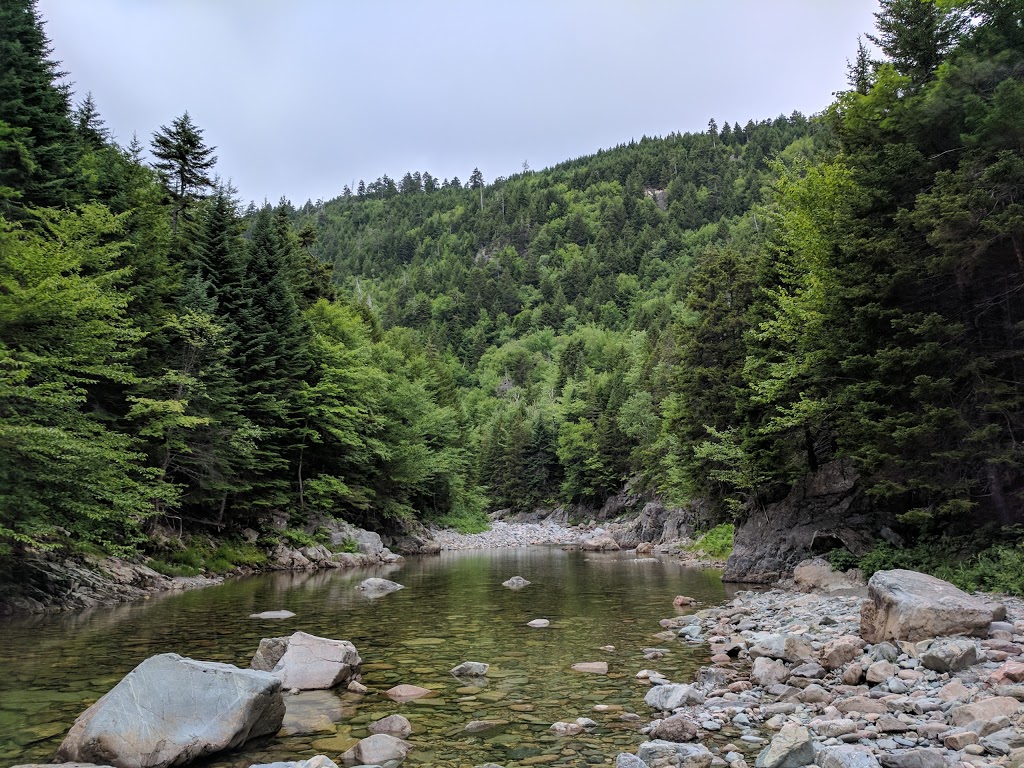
x=305 y=96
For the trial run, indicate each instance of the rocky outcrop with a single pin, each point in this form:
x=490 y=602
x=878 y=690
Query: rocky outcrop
x=599 y=541
x=171 y=710
x=826 y=510
x=656 y=524
x=906 y=605
x=45 y=584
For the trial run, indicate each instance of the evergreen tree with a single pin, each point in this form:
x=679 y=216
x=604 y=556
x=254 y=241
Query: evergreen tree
x=184 y=163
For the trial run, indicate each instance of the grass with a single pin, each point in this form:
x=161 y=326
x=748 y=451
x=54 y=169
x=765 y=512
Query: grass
x=715 y=543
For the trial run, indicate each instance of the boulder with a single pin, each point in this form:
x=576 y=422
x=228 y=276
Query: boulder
x=863 y=704
x=792 y=648
x=951 y=654
x=906 y=605
x=396 y=725
x=1010 y=672
x=792 y=747
x=160 y=714
x=516 y=582
x=470 y=669
x=880 y=671
x=377 y=750
x=916 y=758
x=826 y=510
x=984 y=709
x=675 y=728
x=768 y=672
x=599 y=541
x=377 y=587
x=312 y=712
x=660 y=754
x=269 y=653
x=623 y=760
x=310 y=662
x=839 y=652
x=669 y=697
x=818 y=575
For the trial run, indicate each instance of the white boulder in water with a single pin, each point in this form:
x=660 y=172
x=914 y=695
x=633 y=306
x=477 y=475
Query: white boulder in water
x=375 y=587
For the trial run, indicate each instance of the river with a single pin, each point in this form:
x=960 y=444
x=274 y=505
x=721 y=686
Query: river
x=453 y=609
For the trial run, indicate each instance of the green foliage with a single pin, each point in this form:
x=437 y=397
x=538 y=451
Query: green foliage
x=201 y=555
x=715 y=543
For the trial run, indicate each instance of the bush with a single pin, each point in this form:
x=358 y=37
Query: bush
x=715 y=543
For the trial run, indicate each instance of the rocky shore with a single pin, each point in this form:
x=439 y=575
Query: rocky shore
x=794 y=681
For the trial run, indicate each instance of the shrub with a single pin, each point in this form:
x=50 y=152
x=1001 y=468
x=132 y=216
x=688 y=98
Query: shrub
x=715 y=543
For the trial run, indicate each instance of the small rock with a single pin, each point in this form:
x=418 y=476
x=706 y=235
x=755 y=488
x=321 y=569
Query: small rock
x=396 y=725
x=470 y=669
x=847 y=756
x=949 y=654
x=669 y=697
x=403 y=693
x=536 y=623
x=660 y=753
x=985 y=709
x=593 y=667
x=681 y=600
x=626 y=760
x=767 y=672
x=880 y=671
x=567 y=729
x=479 y=726
x=675 y=728
x=915 y=758
x=374 y=587
x=790 y=748
x=272 y=615
x=377 y=749
x=356 y=687
x=516 y=582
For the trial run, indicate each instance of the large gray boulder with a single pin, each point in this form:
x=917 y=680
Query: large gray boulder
x=171 y=710
x=376 y=587
x=310 y=662
x=599 y=541
x=847 y=756
x=906 y=605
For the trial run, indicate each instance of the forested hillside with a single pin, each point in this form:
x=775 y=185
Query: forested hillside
x=706 y=316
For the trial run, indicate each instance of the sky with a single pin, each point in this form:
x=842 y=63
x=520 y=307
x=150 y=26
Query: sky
x=303 y=97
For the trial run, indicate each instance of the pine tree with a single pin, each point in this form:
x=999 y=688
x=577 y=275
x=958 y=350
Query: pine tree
x=184 y=163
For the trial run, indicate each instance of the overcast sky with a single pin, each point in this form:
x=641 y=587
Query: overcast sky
x=303 y=97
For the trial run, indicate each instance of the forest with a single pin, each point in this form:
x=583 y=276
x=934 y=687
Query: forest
x=702 y=317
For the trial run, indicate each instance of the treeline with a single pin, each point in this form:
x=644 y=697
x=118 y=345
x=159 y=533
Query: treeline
x=713 y=316
x=707 y=316
x=164 y=355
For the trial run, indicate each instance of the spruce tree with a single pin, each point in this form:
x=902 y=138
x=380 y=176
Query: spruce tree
x=184 y=163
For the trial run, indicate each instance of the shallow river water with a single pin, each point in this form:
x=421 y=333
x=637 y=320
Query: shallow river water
x=453 y=609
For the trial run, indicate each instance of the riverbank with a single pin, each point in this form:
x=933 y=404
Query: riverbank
x=792 y=683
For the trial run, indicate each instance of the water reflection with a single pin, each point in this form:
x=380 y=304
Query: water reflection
x=453 y=609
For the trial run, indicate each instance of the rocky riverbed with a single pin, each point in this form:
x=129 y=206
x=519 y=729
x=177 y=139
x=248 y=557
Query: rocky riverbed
x=504 y=534
x=792 y=682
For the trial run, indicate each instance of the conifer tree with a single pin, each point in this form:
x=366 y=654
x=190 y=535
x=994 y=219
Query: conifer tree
x=184 y=163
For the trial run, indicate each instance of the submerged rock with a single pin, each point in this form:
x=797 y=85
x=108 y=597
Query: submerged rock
x=396 y=725
x=538 y=623
x=377 y=750
x=376 y=587
x=272 y=615
x=404 y=692
x=171 y=710
x=471 y=669
x=516 y=582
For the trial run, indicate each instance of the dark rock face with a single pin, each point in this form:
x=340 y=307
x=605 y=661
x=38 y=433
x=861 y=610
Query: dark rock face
x=824 y=511
x=656 y=524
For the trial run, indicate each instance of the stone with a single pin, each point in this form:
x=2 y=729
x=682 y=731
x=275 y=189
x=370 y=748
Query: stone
x=272 y=615
x=396 y=725
x=403 y=693
x=673 y=696
x=862 y=704
x=954 y=690
x=984 y=709
x=377 y=749
x=661 y=754
x=906 y=605
x=681 y=601
x=830 y=729
x=377 y=587
x=767 y=672
x=675 y=728
x=626 y=760
x=841 y=651
x=516 y=582
x=1010 y=672
x=846 y=756
x=891 y=724
x=593 y=667
x=567 y=729
x=818 y=575
x=950 y=654
x=354 y=686
x=809 y=670
x=791 y=747
x=470 y=669
x=791 y=648
x=538 y=623
x=958 y=741
x=880 y=671
x=270 y=651
x=599 y=541
x=309 y=712
x=1003 y=741
x=159 y=714
x=916 y=758
x=815 y=694
x=320 y=761
x=310 y=662
x=481 y=726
